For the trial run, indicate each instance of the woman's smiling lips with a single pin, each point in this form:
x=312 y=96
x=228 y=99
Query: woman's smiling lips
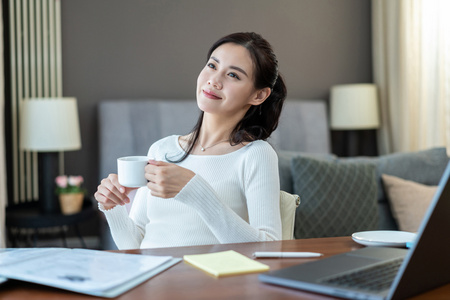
x=210 y=94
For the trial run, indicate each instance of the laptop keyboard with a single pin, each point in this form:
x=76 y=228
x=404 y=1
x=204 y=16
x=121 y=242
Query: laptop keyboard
x=374 y=278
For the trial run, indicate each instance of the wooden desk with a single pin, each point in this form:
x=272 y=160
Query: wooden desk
x=185 y=282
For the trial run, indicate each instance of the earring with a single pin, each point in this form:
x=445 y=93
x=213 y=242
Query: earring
x=260 y=110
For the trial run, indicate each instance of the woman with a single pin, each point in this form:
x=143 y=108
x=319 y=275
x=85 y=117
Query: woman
x=218 y=184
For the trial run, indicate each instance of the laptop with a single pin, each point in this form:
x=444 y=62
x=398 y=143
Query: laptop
x=423 y=267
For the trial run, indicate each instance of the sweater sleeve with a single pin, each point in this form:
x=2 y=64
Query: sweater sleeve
x=128 y=225
x=128 y=230
x=262 y=193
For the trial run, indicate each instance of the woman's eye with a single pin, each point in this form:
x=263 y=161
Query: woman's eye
x=211 y=65
x=233 y=75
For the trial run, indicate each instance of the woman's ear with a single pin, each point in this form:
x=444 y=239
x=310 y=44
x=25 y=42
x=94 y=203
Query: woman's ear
x=261 y=96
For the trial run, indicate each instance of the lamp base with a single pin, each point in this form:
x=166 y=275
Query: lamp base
x=350 y=143
x=48 y=170
x=353 y=143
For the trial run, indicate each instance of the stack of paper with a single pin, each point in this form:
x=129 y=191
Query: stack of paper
x=225 y=263
x=92 y=272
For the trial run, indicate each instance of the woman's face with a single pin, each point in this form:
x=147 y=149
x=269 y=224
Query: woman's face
x=225 y=86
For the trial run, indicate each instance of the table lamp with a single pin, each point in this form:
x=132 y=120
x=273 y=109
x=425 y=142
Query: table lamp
x=49 y=126
x=354 y=107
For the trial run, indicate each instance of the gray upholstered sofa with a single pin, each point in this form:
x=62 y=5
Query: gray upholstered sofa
x=344 y=195
x=339 y=196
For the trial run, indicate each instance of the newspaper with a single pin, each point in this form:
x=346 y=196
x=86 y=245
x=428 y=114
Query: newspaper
x=91 y=272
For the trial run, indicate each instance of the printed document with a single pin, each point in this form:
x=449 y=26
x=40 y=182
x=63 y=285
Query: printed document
x=91 y=272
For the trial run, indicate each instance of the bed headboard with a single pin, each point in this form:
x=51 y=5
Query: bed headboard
x=129 y=127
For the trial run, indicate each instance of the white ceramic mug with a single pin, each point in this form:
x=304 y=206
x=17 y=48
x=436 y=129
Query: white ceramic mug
x=131 y=170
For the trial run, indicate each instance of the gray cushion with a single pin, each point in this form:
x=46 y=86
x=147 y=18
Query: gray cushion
x=284 y=166
x=338 y=198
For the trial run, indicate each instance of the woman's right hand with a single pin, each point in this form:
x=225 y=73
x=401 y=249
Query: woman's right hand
x=110 y=193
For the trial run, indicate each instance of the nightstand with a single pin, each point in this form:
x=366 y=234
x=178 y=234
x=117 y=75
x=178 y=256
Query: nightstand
x=24 y=220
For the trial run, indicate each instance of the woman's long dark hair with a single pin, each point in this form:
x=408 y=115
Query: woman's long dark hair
x=260 y=120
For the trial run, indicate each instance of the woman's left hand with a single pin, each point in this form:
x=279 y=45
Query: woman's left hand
x=166 y=180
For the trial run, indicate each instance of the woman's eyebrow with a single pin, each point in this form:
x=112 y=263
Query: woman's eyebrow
x=231 y=67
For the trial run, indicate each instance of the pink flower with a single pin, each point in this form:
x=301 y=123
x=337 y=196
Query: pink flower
x=75 y=180
x=61 y=181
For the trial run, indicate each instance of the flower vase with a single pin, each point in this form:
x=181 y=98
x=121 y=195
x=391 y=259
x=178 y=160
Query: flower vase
x=71 y=203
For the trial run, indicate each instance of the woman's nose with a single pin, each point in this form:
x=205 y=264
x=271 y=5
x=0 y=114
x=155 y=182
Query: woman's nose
x=215 y=83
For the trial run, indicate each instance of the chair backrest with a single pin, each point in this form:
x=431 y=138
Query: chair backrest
x=288 y=206
x=303 y=127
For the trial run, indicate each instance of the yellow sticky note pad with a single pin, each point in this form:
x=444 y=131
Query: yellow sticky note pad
x=225 y=263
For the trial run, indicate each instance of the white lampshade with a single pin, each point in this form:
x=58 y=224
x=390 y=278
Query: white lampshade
x=354 y=106
x=49 y=125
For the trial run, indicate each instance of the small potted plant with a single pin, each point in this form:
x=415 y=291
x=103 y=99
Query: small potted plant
x=70 y=193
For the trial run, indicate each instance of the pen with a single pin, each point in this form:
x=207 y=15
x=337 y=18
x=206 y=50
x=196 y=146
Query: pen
x=286 y=254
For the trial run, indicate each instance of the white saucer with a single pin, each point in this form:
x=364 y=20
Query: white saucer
x=384 y=238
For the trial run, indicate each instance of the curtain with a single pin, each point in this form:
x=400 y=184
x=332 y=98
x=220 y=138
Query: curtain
x=3 y=193
x=411 y=58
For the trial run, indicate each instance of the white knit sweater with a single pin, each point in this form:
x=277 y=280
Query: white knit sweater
x=232 y=198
